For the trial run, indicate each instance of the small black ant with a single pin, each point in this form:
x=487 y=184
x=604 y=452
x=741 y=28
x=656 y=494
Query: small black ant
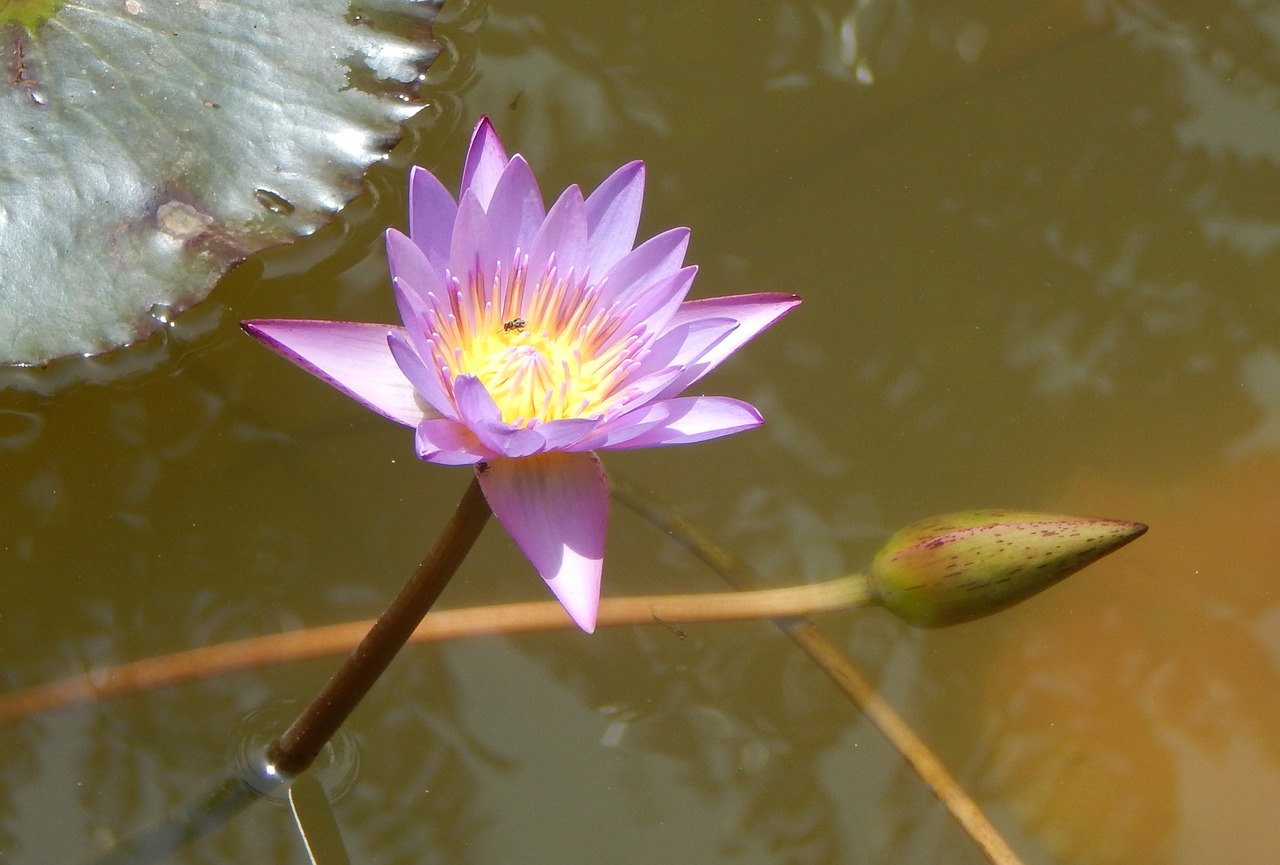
x=516 y=325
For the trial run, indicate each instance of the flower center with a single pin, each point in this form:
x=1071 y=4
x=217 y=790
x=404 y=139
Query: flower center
x=545 y=351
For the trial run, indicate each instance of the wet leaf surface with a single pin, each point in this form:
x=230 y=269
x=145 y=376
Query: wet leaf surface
x=145 y=148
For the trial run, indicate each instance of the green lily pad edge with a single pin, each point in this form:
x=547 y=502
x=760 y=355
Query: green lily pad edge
x=148 y=147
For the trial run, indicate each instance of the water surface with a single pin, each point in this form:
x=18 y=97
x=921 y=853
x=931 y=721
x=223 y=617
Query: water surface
x=1037 y=246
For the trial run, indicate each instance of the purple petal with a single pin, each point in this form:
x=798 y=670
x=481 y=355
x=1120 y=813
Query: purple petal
x=510 y=441
x=422 y=374
x=485 y=162
x=635 y=393
x=677 y=422
x=473 y=255
x=613 y=215
x=753 y=312
x=556 y=506
x=516 y=211
x=655 y=307
x=562 y=434
x=432 y=211
x=563 y=234
x=445 y=442
x=409 y=264
x=421 y=317
x=414 y=314
x=352 y=356
x=475 y=405
x=681 y=346
x=656 y=259
x=482 y=416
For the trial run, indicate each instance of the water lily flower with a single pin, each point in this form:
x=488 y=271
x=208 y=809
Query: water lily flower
x=532 y=338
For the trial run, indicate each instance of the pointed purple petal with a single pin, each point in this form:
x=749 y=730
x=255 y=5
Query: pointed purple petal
x=473 y=257
x=424 y=377
x=753 y=312
x=475 y=405
x=556 y=506
x=682 y=346
x=432 y=211
x=563 y=234
x=414 y=314
x=677 y=422
x=613 y=215
x=352 y=356
x=656 y=259
x=409 y=264
x=655 y=307
x=636 y=392
x=421 y=318
x=516 y=211
x=486 y=159
x=448 y=443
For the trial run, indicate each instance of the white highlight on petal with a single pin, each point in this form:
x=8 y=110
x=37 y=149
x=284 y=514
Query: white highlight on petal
x=555 y=506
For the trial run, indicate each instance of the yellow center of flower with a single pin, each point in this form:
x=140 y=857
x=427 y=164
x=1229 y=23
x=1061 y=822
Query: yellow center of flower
x=544 y=353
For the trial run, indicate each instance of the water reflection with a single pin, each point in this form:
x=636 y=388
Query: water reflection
x=1135 y=718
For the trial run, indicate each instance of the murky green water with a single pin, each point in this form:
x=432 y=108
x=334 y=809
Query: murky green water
x=1038 y=249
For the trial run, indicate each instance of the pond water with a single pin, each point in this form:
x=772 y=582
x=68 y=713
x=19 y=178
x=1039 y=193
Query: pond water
x=1038 y=247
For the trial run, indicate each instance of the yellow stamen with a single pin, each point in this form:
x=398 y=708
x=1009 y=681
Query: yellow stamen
x=543 y=354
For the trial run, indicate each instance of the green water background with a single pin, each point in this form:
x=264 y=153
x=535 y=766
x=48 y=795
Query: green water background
x=1036 y=242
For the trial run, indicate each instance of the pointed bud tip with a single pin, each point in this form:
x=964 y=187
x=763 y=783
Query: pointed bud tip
x=957 y=567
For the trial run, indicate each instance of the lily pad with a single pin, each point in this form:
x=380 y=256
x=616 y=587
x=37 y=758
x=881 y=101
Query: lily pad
x=146 y=147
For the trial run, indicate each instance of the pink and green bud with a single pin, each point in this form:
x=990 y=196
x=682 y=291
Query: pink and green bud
x=953 y=568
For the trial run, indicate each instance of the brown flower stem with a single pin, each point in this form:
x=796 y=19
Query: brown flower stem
x=839 y=668
x=298 y=746
x=206 y=662
x=402 y=622
x=295 y=750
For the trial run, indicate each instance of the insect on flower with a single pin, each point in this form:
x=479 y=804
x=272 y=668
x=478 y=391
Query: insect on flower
x=615 y=344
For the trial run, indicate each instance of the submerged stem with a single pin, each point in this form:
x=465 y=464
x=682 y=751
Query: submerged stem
x=837 y=666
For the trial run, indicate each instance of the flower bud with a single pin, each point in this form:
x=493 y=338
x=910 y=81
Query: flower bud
x=953 y=568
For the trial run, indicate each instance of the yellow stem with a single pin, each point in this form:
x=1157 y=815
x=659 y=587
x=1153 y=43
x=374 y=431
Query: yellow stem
x=838 y=667
x=216 y=660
